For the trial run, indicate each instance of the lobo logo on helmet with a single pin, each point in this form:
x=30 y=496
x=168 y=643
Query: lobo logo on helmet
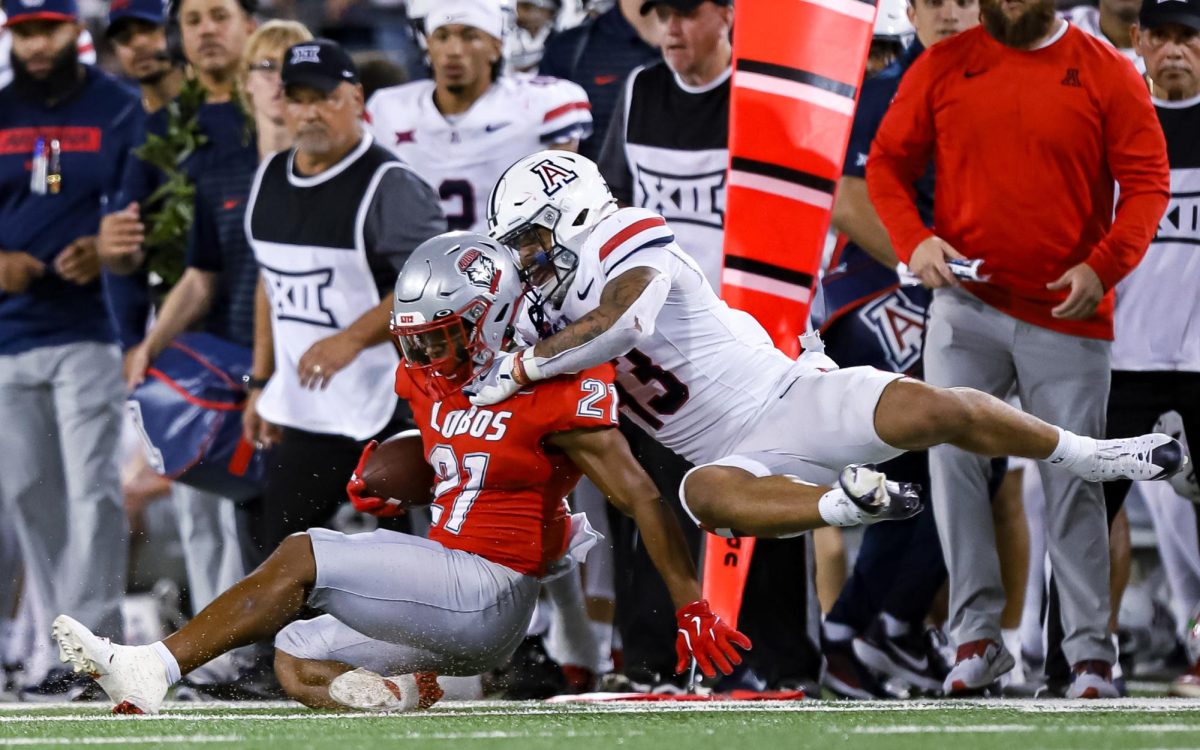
x=477 y=267
x=554 y=176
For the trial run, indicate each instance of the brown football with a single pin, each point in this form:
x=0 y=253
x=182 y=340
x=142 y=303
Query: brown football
x=397 y=470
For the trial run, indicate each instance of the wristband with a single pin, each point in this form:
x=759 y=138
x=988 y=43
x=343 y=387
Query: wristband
x=529 y=368
x=252 y=383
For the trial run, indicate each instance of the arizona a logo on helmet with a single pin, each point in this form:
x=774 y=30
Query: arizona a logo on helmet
x=554 y=175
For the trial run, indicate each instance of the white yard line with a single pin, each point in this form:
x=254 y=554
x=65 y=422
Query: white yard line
x=10 y=713
x=171 y=739
x=1006 y=728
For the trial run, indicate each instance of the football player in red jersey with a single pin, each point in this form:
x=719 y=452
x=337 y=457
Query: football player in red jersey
x=460 y=601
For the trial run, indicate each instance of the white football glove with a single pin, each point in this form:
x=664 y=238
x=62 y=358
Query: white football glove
x=496 y=383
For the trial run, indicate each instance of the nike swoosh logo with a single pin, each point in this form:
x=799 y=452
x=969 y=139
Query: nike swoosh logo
x=230 y=204
x=584 y=293
x=696 y=622
x=604 y=80
x=973 y=73
x=494 y=128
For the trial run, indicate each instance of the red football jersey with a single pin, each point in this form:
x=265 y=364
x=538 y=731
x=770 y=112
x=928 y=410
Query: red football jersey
x=501 y=487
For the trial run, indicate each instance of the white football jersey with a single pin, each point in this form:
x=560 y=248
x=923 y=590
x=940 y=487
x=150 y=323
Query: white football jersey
x=702 y=378
x=463 y=156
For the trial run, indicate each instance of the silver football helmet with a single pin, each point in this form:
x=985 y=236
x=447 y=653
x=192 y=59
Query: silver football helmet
x=563 y=195
x=453 y=309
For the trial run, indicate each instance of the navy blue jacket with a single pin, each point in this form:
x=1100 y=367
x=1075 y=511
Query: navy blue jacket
x=96 y=127
x=856 y=277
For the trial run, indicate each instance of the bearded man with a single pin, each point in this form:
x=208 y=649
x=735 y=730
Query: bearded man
x=65 y=132
x=1029 y=121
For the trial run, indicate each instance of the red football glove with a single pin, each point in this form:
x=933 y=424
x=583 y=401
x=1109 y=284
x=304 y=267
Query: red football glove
x=376 y=506
x=703 y=636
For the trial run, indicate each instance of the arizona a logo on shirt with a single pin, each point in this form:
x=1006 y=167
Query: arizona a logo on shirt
x=554 y=176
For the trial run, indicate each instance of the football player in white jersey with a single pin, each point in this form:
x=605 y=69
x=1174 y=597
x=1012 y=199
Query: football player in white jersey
x=463 y=128
x=706 y=381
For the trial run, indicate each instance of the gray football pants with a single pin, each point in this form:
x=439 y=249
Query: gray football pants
x=398 y=603
x=59 y=480
x=1064 y=380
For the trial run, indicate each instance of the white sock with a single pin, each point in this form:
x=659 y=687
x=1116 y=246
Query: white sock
x=168 y=660
x=603 y=632
x=838 y=510
x=893 y=627
x=1011 y=637
x=1071 y=450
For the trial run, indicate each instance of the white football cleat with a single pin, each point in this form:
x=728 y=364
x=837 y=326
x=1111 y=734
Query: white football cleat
x=878 y=498
x=132 y=676
x=1146 y=457
x=1185 y=483
x=365 y=690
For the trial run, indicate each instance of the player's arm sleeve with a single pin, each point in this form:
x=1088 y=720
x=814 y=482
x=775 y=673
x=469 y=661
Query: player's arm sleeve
x=568 y=115
x=628 y=307
x=614 y=166
x=641 y=240
x=899 y=154
x=1137 y=156
x=404 y=212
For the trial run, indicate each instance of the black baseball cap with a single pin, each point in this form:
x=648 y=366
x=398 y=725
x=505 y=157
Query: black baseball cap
x=1159 y=12
x=150 y=11
x=680 y=4
x=320 y=64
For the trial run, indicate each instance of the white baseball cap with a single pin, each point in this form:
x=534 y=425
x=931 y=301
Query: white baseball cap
x=485 y=15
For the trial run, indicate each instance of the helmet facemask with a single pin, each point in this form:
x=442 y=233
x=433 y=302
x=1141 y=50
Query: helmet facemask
x=443 y=355
x=547 y=267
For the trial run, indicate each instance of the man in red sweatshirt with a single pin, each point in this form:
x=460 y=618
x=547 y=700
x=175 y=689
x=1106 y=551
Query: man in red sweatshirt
x=1030 y=123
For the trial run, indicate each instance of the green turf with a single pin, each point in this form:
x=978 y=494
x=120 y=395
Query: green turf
x=534 y=726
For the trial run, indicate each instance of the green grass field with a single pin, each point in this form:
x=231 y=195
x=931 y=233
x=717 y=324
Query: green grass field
x=1131 y=724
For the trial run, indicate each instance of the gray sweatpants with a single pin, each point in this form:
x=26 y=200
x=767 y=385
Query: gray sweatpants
x=62 y=409
x=1064 y=380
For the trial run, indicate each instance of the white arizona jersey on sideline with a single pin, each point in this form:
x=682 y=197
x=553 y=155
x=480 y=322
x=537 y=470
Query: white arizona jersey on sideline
x=707 y=371
x=463 y=156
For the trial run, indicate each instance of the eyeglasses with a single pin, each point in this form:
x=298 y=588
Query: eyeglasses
x=265 y=66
